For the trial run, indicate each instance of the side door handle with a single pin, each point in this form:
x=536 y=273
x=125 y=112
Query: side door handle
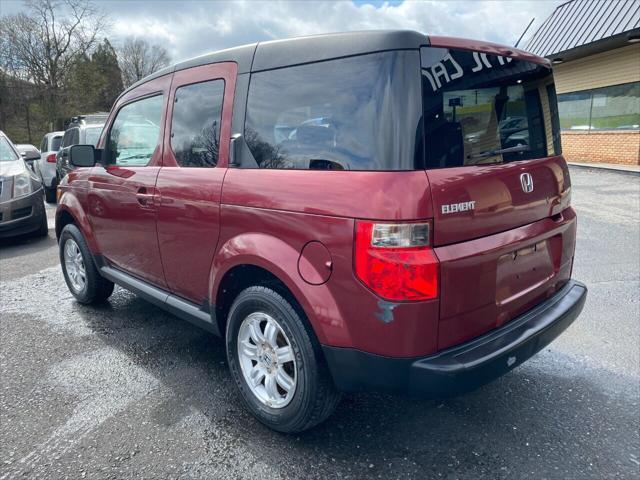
x=145 y=197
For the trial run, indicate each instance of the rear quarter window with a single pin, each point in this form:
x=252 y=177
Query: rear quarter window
x=356 y=113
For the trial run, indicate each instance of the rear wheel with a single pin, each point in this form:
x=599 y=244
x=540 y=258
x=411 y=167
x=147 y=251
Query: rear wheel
x=82 y=277
x=276 y=362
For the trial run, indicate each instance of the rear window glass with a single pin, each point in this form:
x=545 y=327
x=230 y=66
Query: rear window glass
x=356 y=113
x=481 y=108
x=55 y=144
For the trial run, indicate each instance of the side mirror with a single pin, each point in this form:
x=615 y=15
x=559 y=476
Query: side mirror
x=83 y=155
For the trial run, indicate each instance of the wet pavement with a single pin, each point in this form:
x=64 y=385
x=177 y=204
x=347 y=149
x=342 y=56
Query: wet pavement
x=125 y=390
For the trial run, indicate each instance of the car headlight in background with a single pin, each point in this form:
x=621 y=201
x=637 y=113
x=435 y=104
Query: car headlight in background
x=22 y=185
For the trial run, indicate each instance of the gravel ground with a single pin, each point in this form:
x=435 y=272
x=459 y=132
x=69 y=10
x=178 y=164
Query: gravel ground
x=126 y=390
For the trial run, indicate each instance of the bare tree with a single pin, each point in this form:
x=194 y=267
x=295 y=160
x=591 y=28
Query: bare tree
x=137 y=59
x=41 y=45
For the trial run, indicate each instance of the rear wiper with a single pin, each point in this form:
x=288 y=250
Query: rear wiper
x=491 y=153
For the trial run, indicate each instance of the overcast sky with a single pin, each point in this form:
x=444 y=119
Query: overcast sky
x=191 y=28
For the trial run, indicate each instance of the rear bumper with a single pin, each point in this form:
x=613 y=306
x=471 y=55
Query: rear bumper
x=463 y=367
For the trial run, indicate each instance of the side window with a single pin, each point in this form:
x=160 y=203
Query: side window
x=357 y=113
x=555 y=119
x=43 y=145
x=135 y=132
x=75 y=136
x=66 y=139
x=196 y=122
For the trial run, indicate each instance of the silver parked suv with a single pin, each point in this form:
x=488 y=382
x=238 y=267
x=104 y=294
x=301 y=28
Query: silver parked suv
x=45 y=167
x=79 y=133
x=21 y=205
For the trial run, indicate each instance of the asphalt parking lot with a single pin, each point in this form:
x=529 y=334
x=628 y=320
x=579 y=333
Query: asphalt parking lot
x=126 y=390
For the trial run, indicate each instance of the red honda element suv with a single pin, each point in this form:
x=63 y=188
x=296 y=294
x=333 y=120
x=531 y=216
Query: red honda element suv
x=373 y=210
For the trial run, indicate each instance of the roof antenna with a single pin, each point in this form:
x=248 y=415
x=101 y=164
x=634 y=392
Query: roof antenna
x=525 y=31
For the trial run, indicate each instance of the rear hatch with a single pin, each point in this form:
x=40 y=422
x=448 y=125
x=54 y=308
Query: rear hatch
x=498 y=186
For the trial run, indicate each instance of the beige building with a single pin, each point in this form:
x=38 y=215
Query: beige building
x=595 y=49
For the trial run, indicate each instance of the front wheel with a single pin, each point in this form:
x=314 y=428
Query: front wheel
x=276 y=363
x=82 y=277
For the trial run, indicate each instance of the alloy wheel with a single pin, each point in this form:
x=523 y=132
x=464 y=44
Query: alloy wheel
x=267 y=360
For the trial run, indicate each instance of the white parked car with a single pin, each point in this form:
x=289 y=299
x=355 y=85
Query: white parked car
x=45 y=166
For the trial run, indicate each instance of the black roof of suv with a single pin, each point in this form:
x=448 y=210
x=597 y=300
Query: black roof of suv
x=272 y=54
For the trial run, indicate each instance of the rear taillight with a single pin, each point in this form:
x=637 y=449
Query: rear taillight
x=51 y=158
x=395 y=260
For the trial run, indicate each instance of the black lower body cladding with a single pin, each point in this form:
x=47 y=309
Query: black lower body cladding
x=464 y=367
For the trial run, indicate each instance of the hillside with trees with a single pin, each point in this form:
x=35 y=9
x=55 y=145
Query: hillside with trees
x=56 y=61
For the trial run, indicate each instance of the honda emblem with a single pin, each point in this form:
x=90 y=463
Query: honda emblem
x=526 y=181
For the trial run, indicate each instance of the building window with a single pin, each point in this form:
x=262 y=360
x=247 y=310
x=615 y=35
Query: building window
x=608 y=108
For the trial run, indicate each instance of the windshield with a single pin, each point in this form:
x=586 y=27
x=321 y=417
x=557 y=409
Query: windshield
x=481 y=108
x=92 y=135
x=7 y=154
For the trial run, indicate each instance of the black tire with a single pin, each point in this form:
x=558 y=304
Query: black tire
x=43 y=230
x=50 y=195
x=315 y=397
x=96 y=288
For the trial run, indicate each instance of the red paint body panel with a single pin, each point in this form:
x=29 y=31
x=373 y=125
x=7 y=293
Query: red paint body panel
x=73 y=201
x=124 y=223
x=189 y=204
x=342 y=311
x=500 y=202
x=125 y=230
x=483 y=285
x=376 y=195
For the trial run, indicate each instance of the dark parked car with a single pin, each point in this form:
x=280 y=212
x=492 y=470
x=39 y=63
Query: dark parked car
x=317 y=202
x=21 y=203
x=78 y=132
x=29 y=153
